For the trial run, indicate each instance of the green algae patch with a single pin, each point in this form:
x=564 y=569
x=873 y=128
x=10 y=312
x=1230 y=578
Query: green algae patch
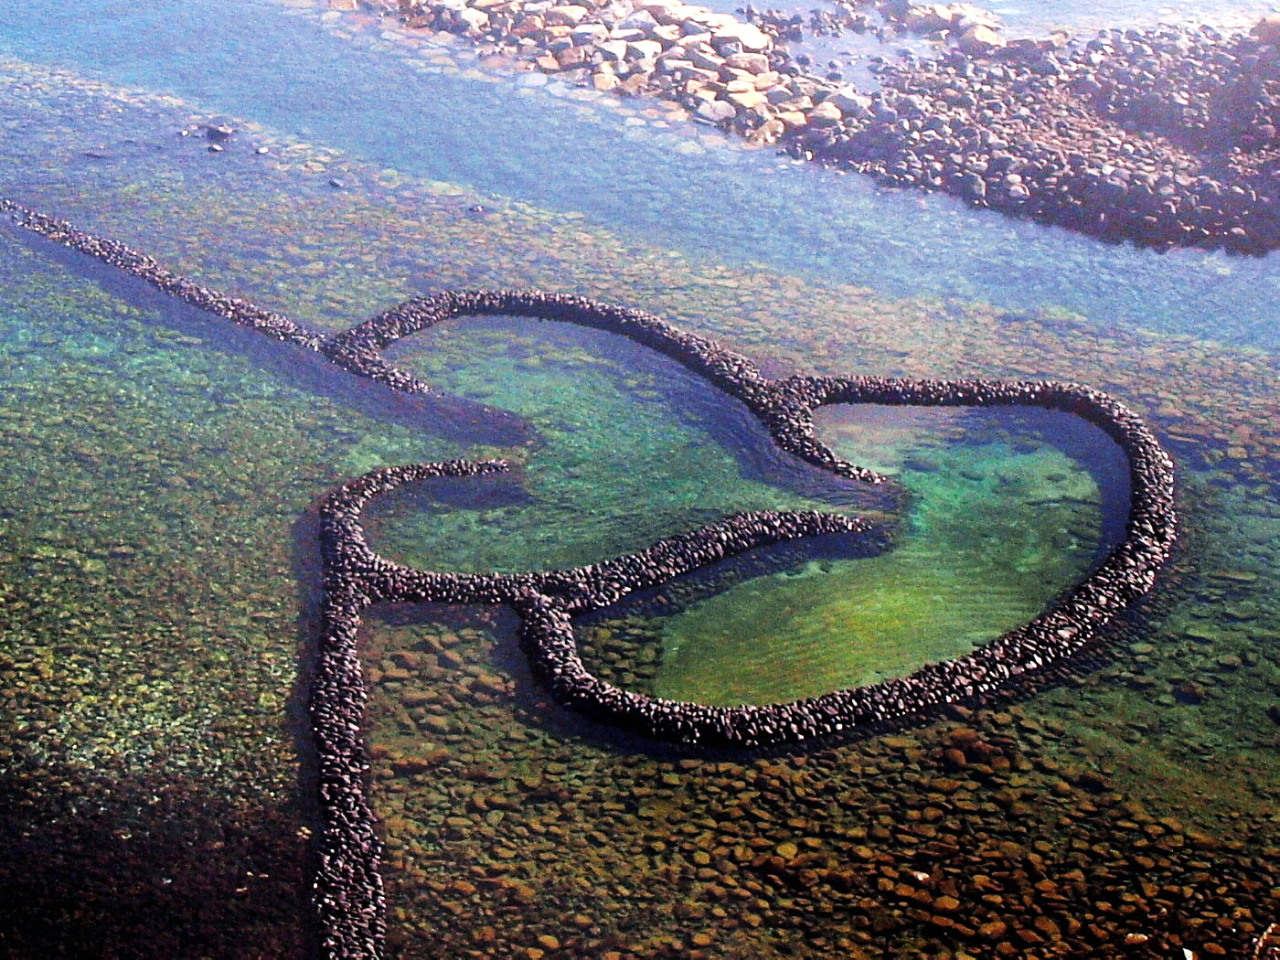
x=991 y=537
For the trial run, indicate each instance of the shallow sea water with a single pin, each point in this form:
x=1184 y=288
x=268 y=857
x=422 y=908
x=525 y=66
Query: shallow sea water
x=157 y=553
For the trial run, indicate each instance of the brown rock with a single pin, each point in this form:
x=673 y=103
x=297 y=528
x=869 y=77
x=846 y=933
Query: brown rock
x=751 y=37
x=704 y=59
x=716 y=111
x=571 y=57
x=636 y=84
x=767 y=81
x=993 y=930
x=979 y=40
x=1093 y=781
x=770 y=131
x=643 y=50
x=528 y=24
x=750 y=62
x=746 y=100
x=1048 y=927
x=825 y=114
x=568 y=14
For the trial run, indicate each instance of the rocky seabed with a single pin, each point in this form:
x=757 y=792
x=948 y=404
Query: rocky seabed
x=1161 y=137
x=348 y=892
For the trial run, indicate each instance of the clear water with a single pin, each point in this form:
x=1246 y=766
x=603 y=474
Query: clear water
x=157 y=554
x=516 y=144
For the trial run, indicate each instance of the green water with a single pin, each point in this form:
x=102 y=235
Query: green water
x=153 y=481
x=629 y=448
x=992 y=536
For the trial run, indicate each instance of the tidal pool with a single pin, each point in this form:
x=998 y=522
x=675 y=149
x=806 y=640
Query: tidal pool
x=157 y=555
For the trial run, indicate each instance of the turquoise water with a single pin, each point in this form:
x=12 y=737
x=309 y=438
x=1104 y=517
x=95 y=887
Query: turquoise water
x=158 y=560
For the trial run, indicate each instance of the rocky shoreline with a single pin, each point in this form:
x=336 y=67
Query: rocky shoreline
x=1162 y=137
x=348 y=893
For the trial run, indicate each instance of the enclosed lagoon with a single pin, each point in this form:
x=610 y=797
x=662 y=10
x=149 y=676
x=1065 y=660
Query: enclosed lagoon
x=159 y=550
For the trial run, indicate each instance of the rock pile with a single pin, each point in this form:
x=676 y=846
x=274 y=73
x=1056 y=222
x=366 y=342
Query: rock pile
x=347 y=887
x=725 y=71
x=1163 y=137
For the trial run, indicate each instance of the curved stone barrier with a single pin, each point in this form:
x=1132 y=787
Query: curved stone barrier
x=348 y=895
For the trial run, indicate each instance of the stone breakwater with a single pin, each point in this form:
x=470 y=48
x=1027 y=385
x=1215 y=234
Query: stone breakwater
x=347 y=888
x=1162 y=137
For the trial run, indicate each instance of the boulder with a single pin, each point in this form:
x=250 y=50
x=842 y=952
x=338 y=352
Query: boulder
x=850 y=102
x=605 y=82
x=644 y=50
x=702 y=77
x=474 y=22
x=750 y=62
x=588 y=34
x=704 y=58
x=746 y=100
x=750 y=37
x=716 y=111
x=636 y=84
x=979 y=40
x=676 y=66
x=528 y=25
x=825 y=114
x=626 y=34
x=641 y=20
x=770 y=131
x=929 y=18
x=571 y=56
x=966 y=15
x=569 y=14
x=615 y=50
x=663 y=12
x=218 y=132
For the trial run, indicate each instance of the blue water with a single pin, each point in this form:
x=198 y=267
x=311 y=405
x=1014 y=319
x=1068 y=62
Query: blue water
x=250 y=58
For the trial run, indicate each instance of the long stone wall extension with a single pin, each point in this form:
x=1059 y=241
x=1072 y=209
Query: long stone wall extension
x=1161 y=137
x=347 y=887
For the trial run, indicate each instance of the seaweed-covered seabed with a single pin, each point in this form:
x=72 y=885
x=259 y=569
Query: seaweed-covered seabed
x=154 y=512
